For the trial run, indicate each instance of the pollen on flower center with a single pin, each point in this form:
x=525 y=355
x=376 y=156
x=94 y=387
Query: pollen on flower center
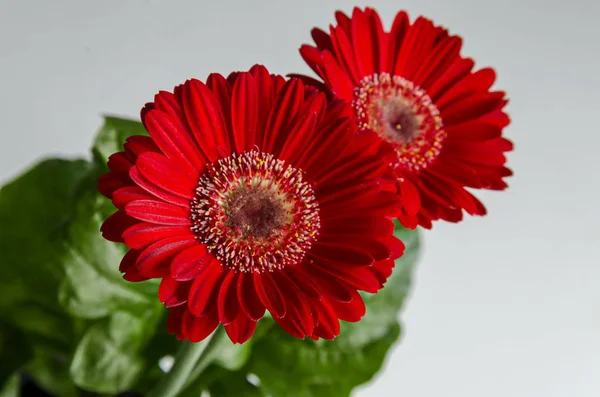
x=255 y=213
x=402 y=114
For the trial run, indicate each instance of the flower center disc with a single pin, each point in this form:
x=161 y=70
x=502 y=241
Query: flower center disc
x=255 y=213
x=402 y=114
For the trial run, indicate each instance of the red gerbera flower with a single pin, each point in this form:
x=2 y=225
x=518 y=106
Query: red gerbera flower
x=253 y=193
x=412 y=87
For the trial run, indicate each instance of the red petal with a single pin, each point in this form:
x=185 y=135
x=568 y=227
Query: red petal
x=364 y=45
x=174 y=141
x=113 y=227
x=472 y=107
x=175 y=320
x=241 y=329
x=373 y=226
x=321 y=39
x=396 y=38
x=344 y=21
x=269 y=294
x=303 y=282
x=416 y=46
x=156 y=191
x=475 y=153
x=108 y=183
x=158 y=212
x=438 y=61
x=460 y=68
x=228 y=301
x=222 y=92
x=296 y=141
x=312 y=56
x=266 y=96
x=128 y=267
x=248 y=298
x=339 y=82
x=351 y=311
x=197 y=328
x=411 y=200
x=298 y=319
x=173 y=293
x=138 y=144
x=473 y=130
x=395 y=245
x=205 y=119
x=480 y=81
x=167 y=175
x=205 y=290
x=191 y=262
x=382 y=270
x=244 y=111
x=154 y=260
x=328 y=285
x=143 y=234
x=124 y=195
x=119 y=164
x=356 y=277
x=341 y=254
x=380 y=40
x=328 y=325
x=288 y=105
x=344 y=54
x=383 y=204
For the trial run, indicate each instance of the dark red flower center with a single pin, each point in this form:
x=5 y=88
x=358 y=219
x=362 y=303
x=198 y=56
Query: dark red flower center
x=255 y=212
x=402 y=114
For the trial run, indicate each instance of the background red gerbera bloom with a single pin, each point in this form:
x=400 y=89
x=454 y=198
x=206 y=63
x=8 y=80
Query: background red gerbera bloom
x=254 y=193
x=412 y=87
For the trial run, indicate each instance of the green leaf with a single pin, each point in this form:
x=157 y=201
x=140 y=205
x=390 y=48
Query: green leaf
x=32 y=208
x=112 y=135
x=12 y=387
x=335 y=368
x=14 y=350
x=234 y=384
x=50 y=370
x=108 y=358
x=316 y=369
x=122 y=316
x=93 y=286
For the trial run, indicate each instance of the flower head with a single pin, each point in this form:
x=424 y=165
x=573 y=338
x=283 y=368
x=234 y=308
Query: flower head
x=411 y=86
x=254 y=193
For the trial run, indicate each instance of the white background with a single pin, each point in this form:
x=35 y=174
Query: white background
x=506 y=305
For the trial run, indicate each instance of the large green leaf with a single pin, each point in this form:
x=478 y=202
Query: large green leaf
x=33 y=208
x=11 y=387
x=50 y=370
x=93 y=286
x=108 y=358
x=14 y=350
x=122 y=317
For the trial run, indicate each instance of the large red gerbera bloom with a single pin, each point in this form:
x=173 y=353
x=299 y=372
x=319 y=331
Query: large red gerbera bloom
x=412 y=87
x=253 y=193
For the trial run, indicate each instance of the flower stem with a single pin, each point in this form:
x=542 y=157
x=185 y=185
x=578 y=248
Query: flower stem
x=189 y=356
